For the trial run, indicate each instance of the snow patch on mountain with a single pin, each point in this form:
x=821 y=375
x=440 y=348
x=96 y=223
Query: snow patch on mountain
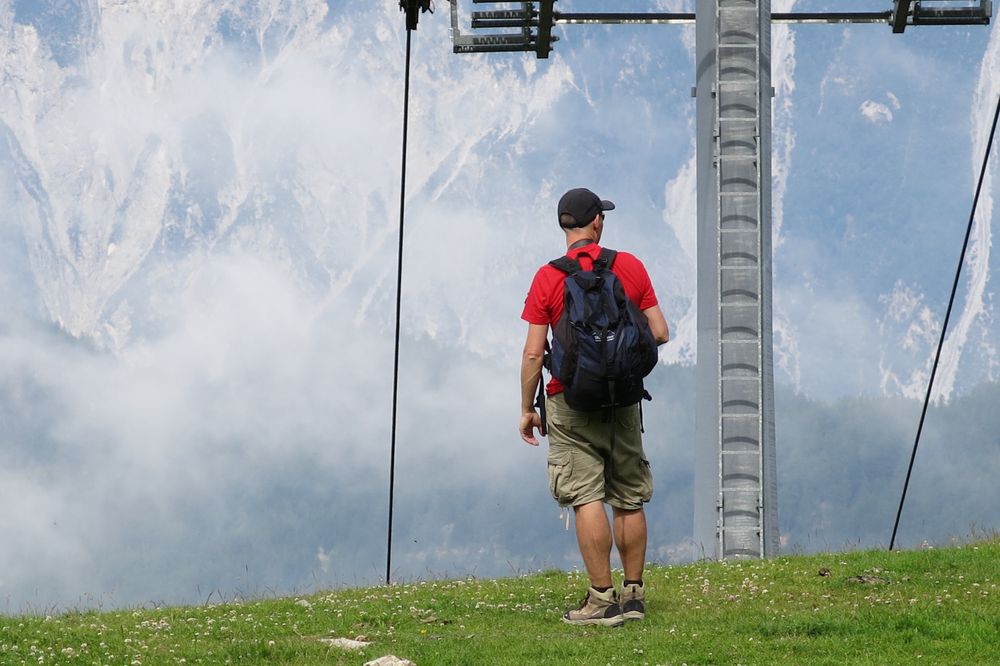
x=917 y=328
x=875 y=112
x=977 y=311
x=680 y=213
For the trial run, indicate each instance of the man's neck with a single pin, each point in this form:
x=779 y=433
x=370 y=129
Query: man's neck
x=579 y=240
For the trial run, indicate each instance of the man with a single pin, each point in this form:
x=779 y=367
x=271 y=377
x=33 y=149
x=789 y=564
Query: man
x=585 y=470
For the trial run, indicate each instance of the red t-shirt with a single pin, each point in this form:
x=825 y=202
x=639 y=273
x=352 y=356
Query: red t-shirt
x=544 y=304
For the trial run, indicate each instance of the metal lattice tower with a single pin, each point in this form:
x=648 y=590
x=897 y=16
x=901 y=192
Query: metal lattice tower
x=736 y=498
x=735 y=482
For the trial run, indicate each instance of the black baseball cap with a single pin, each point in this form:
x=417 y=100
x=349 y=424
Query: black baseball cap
x=582 y=205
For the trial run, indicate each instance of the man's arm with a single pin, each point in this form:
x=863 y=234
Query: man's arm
x=531 y=374
x=657 y=324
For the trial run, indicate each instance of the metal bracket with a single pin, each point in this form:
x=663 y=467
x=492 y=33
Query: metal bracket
x=916 y=12
x=535 y=29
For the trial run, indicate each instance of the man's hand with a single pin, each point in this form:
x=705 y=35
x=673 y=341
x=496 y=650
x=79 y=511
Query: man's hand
x=530 y=421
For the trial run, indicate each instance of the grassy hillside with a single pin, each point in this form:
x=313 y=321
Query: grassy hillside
x=939 y=605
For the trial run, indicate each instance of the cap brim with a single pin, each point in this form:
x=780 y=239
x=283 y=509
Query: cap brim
x=607 y=205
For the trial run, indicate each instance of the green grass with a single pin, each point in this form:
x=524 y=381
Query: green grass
x=932 y=606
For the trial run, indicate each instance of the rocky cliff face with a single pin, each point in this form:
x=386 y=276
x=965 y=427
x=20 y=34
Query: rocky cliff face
x=130 y=150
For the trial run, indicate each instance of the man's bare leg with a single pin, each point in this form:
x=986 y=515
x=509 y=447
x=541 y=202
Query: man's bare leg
x=593 y=534
x=630 y=539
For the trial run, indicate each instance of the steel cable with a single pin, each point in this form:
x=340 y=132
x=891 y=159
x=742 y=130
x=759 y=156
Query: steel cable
x=399 y=301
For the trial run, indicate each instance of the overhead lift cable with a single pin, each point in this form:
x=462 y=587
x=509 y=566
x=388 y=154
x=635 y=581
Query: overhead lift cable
x=944 y=326
x=413 y=8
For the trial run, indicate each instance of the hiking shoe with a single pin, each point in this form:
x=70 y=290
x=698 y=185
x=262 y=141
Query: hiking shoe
x=633 y=602
x=597 y=608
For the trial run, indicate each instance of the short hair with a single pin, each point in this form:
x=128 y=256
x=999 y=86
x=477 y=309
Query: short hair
x=567 y=221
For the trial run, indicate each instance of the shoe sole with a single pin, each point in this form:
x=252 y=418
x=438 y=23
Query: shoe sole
x=634 y=615
x=603 y=621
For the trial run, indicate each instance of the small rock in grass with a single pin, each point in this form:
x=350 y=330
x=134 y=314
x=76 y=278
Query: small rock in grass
x=390 y=660
x=346 y=643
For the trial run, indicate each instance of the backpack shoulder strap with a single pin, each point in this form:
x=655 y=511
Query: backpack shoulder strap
x=566 y=265
x=605 y=259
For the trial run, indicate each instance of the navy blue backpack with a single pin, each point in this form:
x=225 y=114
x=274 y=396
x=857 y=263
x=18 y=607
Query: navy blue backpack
x=602 y=346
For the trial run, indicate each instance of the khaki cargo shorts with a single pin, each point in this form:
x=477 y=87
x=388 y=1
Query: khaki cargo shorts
x=584 y=465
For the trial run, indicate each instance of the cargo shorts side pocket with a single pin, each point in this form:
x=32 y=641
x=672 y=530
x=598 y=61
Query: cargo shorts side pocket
x=560 y=475
x=645 y=487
